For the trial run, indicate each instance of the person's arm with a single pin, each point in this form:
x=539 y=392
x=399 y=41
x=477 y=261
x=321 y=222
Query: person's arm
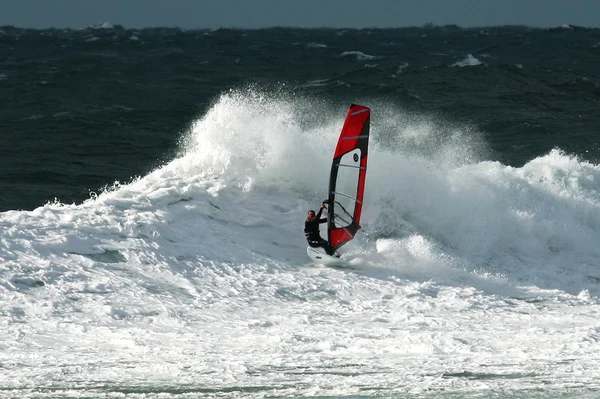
x=318 y=216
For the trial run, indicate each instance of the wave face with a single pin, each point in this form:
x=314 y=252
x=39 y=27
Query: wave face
x=472 y=275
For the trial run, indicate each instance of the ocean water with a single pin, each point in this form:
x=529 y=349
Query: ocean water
x=153 y=185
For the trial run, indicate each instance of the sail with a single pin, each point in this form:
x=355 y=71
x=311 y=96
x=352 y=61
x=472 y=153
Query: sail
x=347 y=178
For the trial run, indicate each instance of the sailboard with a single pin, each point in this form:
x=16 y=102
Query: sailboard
x=318 y=256
x=347 y=182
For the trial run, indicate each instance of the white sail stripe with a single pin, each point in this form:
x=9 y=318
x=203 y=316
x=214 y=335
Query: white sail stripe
x=351 y=166
x=359 y=111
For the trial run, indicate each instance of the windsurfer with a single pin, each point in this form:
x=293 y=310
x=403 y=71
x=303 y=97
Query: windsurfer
x=311 y=229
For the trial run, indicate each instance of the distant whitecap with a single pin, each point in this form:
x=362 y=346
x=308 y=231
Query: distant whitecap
x=316 y=83
x=402 y=67
x=359 y=55
x=105 y=25
x=469 y=61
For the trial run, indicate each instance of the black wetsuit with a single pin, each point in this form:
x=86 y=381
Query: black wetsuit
x=311 y=231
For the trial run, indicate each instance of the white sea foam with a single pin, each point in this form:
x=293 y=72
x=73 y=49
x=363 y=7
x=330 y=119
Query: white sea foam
x=469 y=61
x=359 y=55
x=469 y=275
x=402 y=67
x=316 y=83
x=104 y=25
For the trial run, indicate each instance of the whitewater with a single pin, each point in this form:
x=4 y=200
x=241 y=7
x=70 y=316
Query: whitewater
x=469 y=278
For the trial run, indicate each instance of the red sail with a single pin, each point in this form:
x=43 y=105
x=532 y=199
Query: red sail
x=347 y=178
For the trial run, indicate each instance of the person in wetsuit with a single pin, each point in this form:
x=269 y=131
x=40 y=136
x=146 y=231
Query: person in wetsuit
x=311 y=229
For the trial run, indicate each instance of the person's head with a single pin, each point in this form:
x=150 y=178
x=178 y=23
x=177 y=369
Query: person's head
x=311 y=214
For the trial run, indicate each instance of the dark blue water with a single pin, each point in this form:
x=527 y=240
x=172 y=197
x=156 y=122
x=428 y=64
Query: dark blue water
x=84 y=108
